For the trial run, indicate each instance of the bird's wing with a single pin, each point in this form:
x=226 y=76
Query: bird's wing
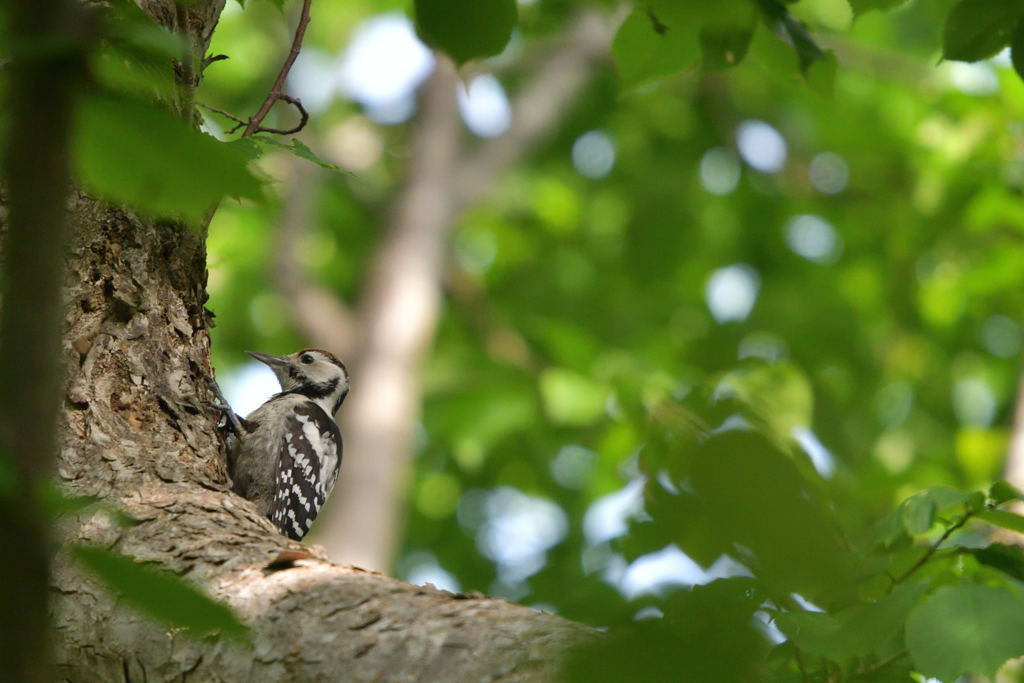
x=307 y=465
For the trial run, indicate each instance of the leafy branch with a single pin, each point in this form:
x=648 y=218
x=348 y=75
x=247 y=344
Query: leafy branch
x=934 y=547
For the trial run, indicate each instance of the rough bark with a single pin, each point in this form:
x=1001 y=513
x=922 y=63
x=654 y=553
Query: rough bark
x=138 y=431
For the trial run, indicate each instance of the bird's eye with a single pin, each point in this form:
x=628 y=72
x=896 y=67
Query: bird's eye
x=306 y=358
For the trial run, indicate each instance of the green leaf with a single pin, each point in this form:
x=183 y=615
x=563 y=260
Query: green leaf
x=466 y=29
x=159 y=593
x=918 y=514
x=137 y=55
x=1008 y=559
x=645 y=50
x=299 y=149
x=1003 y=519
x=821 y=74
x=807 y=50
x=1017 y=49
x=779 y=393
x=965 y=629
x=751 y=494
x=725 y=45
x=141 y=155
x=57 y=503
x=859 y=7
x=1003 y=491
x=853 y=632
x=977 y=29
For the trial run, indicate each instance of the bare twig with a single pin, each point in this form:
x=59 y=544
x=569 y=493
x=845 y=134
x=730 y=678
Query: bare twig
x=277 y=90
x=223 y=113
x=254 y=123
x=303 y=118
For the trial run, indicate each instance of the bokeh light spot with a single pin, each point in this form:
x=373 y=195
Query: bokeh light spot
x=732 y=291
x=719 y=171
x=761 y=146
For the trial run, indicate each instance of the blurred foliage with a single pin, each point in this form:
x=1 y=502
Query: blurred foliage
x=807 y=451
x=755 y=301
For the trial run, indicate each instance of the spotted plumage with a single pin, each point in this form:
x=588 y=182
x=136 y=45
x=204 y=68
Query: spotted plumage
x=288 y=458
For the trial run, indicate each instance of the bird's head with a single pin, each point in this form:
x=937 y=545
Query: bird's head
x=314 y=373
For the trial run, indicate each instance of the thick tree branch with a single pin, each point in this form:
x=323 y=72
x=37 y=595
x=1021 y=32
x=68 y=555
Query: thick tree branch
x=1013 y=468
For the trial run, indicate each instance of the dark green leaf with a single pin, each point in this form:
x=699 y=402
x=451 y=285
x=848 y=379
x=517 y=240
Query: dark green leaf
x=919 y=514
x=141 y=155
x=466 y=29
x=1017 y=55
x=752 y=495
x=1003 y=519
x=807 y=50
x=977 y=29
x=707 y=636
x=853 y=632
x=965 y=629
x=643 y=53
x=1008 y=559
x=159 y=594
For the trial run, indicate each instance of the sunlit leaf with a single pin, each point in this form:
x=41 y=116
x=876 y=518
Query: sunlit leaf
x=645 y=50
x=140 y=154
x=159 y=594
x=1003 y=519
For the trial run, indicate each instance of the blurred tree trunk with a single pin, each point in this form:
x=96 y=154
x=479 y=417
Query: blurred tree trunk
x=1013 y=468
x=138 y=431
x=386 y=333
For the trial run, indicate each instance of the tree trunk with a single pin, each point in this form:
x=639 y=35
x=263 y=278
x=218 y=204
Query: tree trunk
x=138 y=431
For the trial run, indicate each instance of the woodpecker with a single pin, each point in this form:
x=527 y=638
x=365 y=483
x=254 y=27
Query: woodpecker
x=288 y=451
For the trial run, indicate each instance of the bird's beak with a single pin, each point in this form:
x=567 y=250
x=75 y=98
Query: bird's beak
x=272 y=361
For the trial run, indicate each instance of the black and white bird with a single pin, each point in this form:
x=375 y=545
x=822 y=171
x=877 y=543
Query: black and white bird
x=288 y=451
